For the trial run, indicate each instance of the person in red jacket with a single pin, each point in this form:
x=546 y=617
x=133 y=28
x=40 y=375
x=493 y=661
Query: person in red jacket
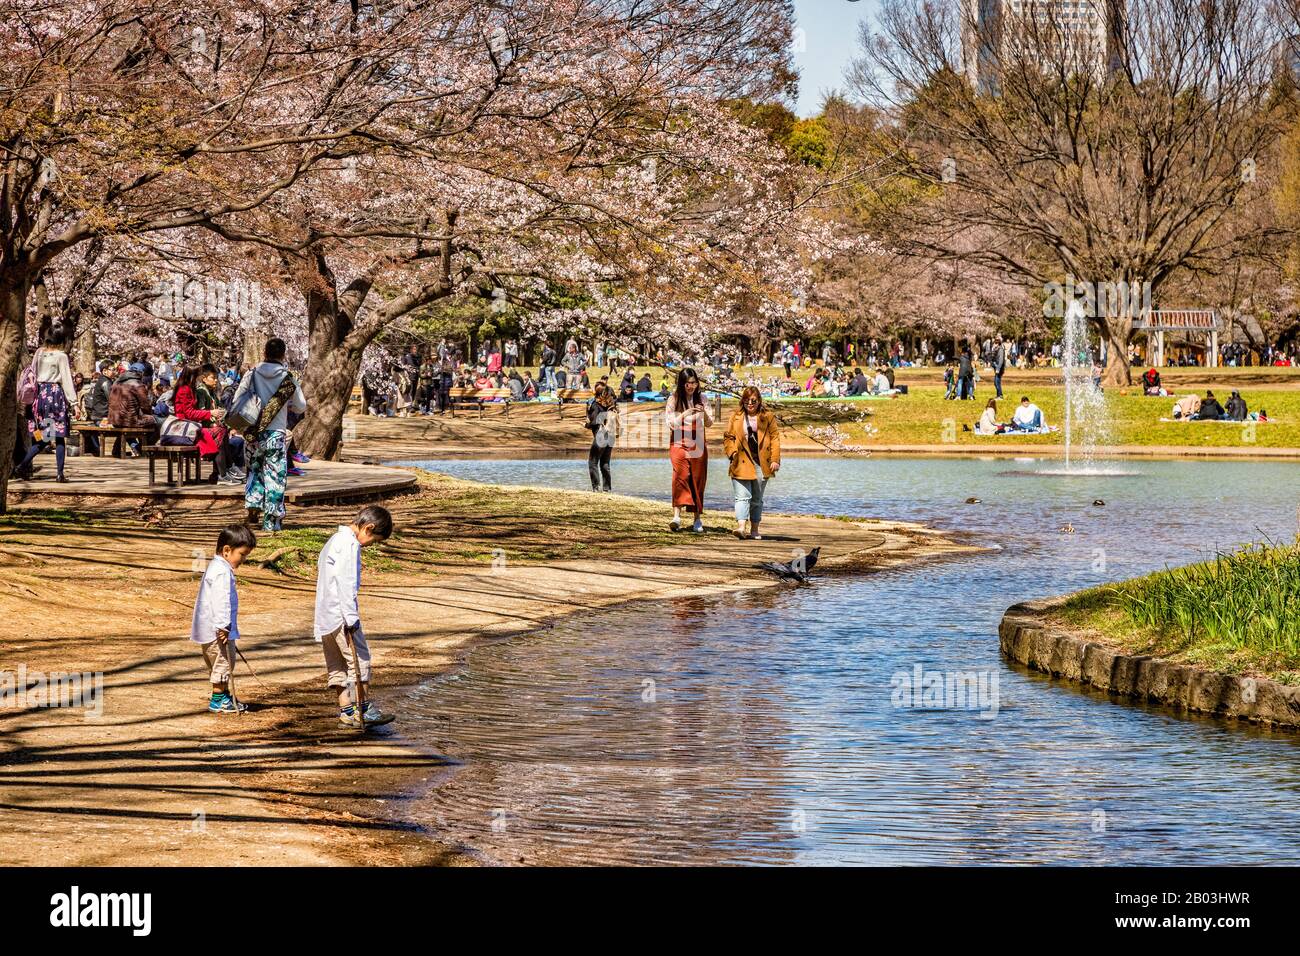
x=195 y=401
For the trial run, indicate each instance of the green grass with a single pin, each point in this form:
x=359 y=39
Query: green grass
x=923 y=417
x=24 y=517
x=1239 y=612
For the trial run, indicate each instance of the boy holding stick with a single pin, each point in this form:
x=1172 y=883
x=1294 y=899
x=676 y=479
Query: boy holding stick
x=338 y=620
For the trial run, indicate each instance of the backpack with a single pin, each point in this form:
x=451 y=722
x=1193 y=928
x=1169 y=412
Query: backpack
x=27 y=386
x=247 y=418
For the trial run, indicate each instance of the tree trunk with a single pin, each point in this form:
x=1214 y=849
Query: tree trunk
x=84 y=353
x=13 y=322
x=327 y=385
x=254 y=345
x=1116 y=331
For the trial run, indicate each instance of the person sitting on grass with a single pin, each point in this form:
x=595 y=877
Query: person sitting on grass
x=338 y=620
x=215 y=626
x=1151 y=383
x=988 y=423
x=858 y=385
x=1027 y=417
x=1235 y=410
x=1211 y=410
x=881 y=386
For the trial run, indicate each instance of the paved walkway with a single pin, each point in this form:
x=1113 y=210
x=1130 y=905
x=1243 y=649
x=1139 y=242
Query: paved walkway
x=129 y=478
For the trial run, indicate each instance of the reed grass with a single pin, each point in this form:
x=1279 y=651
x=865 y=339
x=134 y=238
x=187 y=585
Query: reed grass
x=1246 y=600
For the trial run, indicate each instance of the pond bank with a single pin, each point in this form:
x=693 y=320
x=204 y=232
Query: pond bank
x=1032 y=635
x=155 y=780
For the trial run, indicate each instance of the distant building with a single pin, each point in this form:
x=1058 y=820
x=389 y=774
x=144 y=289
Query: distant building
x=1288 y=56
x=1089 y=31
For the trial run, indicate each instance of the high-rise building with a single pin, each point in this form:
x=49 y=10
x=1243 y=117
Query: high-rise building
x=1086 y=31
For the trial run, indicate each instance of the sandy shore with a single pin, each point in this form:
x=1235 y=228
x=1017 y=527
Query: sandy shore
x=158 y=780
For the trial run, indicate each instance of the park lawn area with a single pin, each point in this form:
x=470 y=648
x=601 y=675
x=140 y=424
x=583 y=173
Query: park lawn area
x=923 y=417
x=1238 y=613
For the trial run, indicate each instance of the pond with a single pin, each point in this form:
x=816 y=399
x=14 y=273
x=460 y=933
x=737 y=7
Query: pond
x=777 y=726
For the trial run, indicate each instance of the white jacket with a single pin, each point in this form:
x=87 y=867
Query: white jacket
x=218 y=605
x=338 y=580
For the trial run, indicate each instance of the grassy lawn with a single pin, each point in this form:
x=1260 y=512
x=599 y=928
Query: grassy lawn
x=1239 y=613
x=923 y=417
x=449 y=522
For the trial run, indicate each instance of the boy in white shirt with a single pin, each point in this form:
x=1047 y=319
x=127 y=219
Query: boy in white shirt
x=215 y=627
x=338 y=620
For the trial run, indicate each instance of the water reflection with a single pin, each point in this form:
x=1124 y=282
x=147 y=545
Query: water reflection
x=761 y=728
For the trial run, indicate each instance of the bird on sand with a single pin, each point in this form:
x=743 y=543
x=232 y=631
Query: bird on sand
x=796 y=570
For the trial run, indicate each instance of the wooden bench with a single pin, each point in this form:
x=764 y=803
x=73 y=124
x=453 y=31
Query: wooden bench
x=478 y=397
x=563 y=395
x=106 y=432
x=187 y=456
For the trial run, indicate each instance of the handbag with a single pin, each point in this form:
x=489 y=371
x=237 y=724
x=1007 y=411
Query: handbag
x=178 y=431
x=247 y=418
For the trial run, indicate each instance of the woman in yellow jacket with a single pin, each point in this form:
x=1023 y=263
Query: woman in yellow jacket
x=753 y=445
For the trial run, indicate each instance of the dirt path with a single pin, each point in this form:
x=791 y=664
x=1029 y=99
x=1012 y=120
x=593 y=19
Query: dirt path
x=158 y=780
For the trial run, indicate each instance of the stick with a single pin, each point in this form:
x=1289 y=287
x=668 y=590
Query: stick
x=230 y=682
x=250 y=668
x=359 y=694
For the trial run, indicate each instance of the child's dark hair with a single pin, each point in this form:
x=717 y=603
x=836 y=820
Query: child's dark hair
x=236 y=536
x=376 y=516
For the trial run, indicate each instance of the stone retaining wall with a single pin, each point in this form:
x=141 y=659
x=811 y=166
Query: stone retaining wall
x=1029 y=635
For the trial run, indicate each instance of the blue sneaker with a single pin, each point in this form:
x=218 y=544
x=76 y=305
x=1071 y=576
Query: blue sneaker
x=225 y=704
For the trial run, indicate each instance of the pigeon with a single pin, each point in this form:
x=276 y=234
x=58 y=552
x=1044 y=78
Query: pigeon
x=796 y=570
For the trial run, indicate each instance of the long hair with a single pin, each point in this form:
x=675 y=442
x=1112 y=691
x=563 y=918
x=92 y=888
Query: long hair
x=751 y=390
x=188 y=374
x=680 y=399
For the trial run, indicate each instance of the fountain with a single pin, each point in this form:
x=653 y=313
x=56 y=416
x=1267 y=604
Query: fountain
x=1085 y=425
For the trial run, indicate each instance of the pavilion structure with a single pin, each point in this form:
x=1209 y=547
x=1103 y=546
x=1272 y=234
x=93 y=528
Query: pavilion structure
x=1192 y=323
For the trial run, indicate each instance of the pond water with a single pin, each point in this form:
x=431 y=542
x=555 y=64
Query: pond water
x=775 y=726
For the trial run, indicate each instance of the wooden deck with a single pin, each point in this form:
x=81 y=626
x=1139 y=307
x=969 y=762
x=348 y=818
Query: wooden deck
x=129 y=478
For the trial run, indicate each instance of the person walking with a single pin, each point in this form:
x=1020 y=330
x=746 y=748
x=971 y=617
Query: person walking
x=266 y=445
x=49 y=421
x=999 y=364
x=688 y=420
x=753 y=445
x=602 y=421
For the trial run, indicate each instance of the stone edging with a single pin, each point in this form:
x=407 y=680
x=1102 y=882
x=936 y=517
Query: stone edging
x=1028 y=635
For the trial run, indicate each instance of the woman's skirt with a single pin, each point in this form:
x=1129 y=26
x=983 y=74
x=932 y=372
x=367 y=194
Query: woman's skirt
x=50 y=412
x=690 y=472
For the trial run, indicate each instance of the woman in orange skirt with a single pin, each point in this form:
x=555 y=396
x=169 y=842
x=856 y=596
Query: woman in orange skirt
x=688 y=418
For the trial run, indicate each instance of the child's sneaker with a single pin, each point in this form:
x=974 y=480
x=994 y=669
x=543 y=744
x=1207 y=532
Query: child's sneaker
x=225 y=704
x=296 y=472
x=348 y=716
x=375 y=717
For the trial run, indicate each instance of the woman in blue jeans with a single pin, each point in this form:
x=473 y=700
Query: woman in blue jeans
x=753 y=445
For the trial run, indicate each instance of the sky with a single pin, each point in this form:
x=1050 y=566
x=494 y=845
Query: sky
x=830 y=40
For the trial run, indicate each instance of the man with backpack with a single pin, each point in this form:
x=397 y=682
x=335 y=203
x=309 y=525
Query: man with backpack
x=260 y=412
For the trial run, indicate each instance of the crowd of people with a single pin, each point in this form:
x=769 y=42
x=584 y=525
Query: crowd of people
x=174 y=402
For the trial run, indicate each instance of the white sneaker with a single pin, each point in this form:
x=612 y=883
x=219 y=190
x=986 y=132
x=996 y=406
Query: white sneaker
x=675 y=524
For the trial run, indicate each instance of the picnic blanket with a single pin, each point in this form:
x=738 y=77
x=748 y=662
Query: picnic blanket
x=1046 y=430
x=1220 y=421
